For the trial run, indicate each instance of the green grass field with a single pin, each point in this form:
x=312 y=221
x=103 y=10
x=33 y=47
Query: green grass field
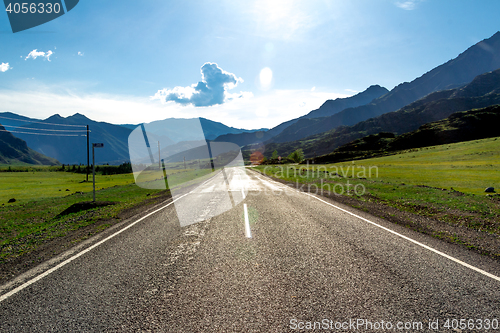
x=467 y=167
x=27 y=186
x=41 y=196
x=46 y=182
x=441 y=179
x=29 y=223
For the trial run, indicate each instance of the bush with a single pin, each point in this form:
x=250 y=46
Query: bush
x=297 y=156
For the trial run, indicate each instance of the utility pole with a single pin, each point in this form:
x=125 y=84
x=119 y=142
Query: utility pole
x=88 y=153
x=159 y=157
x=184 y=162
x=94 y=145
x=210 y=156
x=93 y=172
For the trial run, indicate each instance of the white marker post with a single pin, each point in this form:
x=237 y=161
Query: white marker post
x=94 y=145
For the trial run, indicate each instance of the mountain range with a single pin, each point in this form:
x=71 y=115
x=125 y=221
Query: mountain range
x=178 y=129
x=483 y=91
x=458 y=127
x=469 y=81
x=329 y=108
x=478 y=59
x=73 y=149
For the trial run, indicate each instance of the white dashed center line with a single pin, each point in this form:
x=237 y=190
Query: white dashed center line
x=248 y=233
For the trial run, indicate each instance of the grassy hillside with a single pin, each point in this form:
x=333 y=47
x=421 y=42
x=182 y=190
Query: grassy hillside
x=467 y=167
x=460 y=126
x=14 y=151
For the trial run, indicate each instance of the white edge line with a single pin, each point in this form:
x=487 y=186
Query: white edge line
x=67 y=261
x=412 y=240
x=248 y=233
x=494 y=277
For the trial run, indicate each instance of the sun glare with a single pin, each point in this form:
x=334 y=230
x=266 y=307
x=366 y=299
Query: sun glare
x=266 y=77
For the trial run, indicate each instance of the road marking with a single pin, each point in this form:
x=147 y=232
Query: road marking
x=248 y=233
x=412 y=240
x=67 y=261
x=241 y=184
x=494 y=277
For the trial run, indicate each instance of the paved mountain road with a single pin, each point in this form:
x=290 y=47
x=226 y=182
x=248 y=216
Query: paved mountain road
x=306 y=261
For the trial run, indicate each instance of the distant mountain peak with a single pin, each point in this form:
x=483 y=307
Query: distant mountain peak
x=56 y=116
x=375 y=87
x=333 y=106
x=78 y=116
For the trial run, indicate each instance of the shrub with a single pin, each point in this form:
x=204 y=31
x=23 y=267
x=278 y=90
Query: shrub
x=297 y=156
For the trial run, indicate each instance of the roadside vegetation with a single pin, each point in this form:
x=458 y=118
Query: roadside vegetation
x=43 y=195
x=53 y=203
x=33 y=183
x=446 y=183
x=29 y=224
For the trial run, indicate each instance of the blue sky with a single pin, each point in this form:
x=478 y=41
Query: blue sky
x=138 y=61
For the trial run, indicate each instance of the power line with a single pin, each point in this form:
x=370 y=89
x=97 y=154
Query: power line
x=44 y=129
x=51 y=134
x=40 y=122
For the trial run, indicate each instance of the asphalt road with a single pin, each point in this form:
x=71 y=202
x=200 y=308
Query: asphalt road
x=305 y=262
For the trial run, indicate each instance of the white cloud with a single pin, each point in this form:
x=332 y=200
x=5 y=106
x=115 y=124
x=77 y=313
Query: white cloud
x=211 y=90
x=80 y=54
x=271 y=108
x=35 y=54
x=4 y=67
x=408 y=4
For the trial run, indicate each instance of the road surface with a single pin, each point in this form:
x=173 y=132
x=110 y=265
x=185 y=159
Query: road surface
x=268 y=259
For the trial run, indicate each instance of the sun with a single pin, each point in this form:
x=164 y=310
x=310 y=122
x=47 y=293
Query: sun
x=266 y=77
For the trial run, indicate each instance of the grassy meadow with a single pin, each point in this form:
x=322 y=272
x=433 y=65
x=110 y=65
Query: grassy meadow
x=42 y=193
x=36 y=185
x=445 y=181
x=29 y=223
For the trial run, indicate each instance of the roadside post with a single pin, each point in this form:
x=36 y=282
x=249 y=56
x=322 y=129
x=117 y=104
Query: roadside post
x=94 y=145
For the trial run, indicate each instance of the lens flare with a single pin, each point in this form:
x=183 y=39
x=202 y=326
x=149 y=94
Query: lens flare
x=266 y=77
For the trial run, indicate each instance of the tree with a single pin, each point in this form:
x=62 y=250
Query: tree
x=275 y=155
x=297 y=156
